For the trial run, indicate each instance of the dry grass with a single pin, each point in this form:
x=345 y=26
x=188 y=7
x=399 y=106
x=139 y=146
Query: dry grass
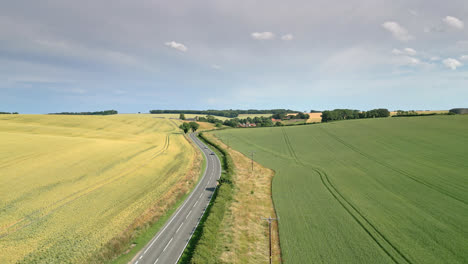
x=244 y=234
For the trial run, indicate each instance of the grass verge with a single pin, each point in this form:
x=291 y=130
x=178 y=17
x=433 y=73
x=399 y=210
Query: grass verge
x=244 y=235
x=202 y=247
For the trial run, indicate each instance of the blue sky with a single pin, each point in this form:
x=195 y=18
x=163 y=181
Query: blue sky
x=219 y=54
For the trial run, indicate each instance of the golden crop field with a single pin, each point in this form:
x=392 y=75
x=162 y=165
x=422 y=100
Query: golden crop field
x=69 y=184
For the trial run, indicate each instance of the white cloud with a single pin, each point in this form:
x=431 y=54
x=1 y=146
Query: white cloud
x=410 y=51
x=454 y=22
x=262 y=35
x=435 y=58
x=397 y=52
x=397 y=31
x=215 y=66
x=406 y=51
x=287 y=37
x=452 y=63
x=413 y=61
x=177 y=46
x=464 y=57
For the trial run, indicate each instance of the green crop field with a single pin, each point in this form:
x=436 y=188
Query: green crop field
x=391 y=190
x=70 y=184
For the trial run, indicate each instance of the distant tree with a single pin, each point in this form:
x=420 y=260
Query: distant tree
x=182 y=116
x=185 y=127
x=218 y=125
x=281 y=116
x=278 y=123
x=194 y=126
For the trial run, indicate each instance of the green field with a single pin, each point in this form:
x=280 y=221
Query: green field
x=392 y=190
x=71 y=184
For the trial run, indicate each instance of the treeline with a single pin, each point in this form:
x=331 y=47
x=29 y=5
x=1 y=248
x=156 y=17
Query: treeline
x=284 y=116
x=203 y=246
x=344 y=114
x=8 y=113
x=259 y=121
x=225 y=113
x=400 y=113
x=106 y=112
x=459 y=111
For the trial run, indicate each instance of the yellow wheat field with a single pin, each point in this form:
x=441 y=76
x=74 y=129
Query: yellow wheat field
x=69 y=184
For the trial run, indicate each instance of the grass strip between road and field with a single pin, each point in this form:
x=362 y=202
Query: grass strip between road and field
x=202 y=247
x=145 y=237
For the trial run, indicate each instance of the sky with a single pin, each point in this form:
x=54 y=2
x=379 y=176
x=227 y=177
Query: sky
x=138 y=55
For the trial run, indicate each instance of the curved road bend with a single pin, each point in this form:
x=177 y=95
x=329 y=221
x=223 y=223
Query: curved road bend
x=169 y=243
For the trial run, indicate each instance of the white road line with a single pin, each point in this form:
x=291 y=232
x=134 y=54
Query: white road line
x=172 y=219
x=200 y=196
x=188 y=214
x=179 y=227
x=196 y=203
x=156 y=261
x=168 y=244
x=141 y=256
x=137 y=261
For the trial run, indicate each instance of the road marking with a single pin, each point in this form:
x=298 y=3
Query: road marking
x=196 y=203
x=156 y=261
x=137 y=261
x=200 y=196
x=179 y=227
x=172 y=219
x=168 y=244
x=141 y=256
x=188 y=214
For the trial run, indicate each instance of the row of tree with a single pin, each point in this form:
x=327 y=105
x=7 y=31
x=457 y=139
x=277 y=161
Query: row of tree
x=343 y=114
x=187 y=126
x=259 y=121
x=8 y=113
x=105 y=112
x=225 y=113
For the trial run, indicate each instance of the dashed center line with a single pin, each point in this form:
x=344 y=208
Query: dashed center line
x=168 y=244
x=156 y=261
x=196 y=203
x=188 y=214
x=179 y=227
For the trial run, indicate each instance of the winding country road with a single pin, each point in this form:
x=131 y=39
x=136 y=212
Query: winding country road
x=169 y=243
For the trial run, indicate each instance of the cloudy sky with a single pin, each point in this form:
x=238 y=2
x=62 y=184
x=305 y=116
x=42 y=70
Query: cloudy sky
x=60 y=55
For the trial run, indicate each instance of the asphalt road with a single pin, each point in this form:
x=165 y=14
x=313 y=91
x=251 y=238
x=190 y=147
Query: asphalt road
x=169 y=243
